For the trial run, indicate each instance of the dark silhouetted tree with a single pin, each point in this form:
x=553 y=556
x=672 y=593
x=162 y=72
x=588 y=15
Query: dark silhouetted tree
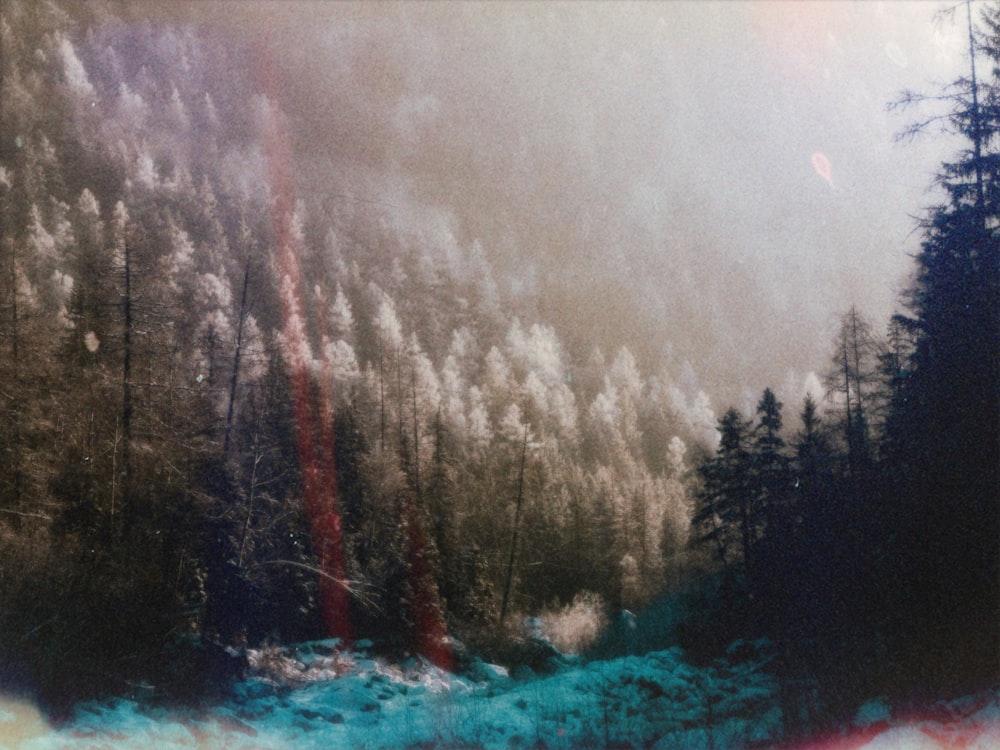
x=726 y=517
x=948 y=420
x=853 y=382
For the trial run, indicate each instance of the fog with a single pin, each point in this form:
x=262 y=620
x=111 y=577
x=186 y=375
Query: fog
x=708 y=183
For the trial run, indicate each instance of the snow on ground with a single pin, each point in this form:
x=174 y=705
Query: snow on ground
x=970 y=723
x=317 y=696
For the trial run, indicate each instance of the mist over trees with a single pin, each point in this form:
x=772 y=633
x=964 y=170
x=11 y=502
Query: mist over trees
x=227 y=418
x=235 y=412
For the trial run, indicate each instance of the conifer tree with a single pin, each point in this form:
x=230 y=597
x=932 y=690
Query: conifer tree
x=949 y=421
x=727 y=516
x=769 y=459
x=852 y=380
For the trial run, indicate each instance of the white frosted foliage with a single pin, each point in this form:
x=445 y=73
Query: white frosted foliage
x=254 y=363
x=177 y=112
x=536 y=393
x=63 y=284
x=675 y=456
x=696 y=414
x=341 y=364
x=537 y=350
x=87 y=204
x=424 y=380
x=512 y=424
x=181 y=256
x=295 y=345
x=119 y=228
x=562 y=409
x=452 y=392
x=387 y=324
x=144 y=170
x=478 y=419
x=73 y=70
x=341 y=315
x=214 y=291
x=42 y=243
x=498 y=380
x=131 y=111
x=61 y=227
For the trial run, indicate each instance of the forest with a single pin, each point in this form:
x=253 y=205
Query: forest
x=234 y=413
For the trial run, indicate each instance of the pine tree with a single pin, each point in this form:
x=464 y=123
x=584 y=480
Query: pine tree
x=769 y=459
x=853 y=381
x=727 y=514
x=949 y=420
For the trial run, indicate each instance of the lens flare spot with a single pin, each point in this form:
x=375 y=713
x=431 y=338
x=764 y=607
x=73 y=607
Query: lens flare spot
x=823 y=167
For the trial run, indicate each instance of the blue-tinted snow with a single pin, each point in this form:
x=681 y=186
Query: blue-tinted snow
x=318 y=696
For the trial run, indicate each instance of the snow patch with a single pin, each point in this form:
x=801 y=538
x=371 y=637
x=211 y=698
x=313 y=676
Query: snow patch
x=321 y=695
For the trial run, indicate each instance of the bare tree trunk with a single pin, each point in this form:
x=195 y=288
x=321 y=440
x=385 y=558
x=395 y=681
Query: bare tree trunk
x=856 y=337
x=400 y=398
x=115 y=484
x=849 y=416
x=127 y=377
x=13 y=306
x=977 y=132
x=745 y=526
x=14 y=397
x=258 y=455
x=517 y=528
x=416 y=436
x=381 y=394
x=236 y=360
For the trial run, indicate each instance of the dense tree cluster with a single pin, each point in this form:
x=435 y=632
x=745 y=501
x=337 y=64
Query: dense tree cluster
x=870 y=547
x=233 y=413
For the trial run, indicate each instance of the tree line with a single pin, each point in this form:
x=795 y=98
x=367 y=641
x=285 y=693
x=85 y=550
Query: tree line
x=233 y=414
x=868 y=546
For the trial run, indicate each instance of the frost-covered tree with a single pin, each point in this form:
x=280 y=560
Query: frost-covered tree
x=200 y=385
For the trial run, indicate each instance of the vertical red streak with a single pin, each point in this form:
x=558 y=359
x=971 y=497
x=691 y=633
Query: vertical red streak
x=328 y=528
x=318 y=463
x=426 y=609
x=318 y=469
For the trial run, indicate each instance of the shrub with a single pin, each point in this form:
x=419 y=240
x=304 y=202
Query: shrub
x=574 y=628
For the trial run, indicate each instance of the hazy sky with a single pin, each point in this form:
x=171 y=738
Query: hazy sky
x=707 y=182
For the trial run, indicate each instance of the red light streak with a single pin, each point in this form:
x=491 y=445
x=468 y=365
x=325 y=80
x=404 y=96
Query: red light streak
x=317 y=462
x=313 y=413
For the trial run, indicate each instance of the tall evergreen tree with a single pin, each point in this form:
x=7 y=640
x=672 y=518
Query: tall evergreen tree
x=853 y=381
x=949 y=422
x=726 y=517
x=769 y=459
